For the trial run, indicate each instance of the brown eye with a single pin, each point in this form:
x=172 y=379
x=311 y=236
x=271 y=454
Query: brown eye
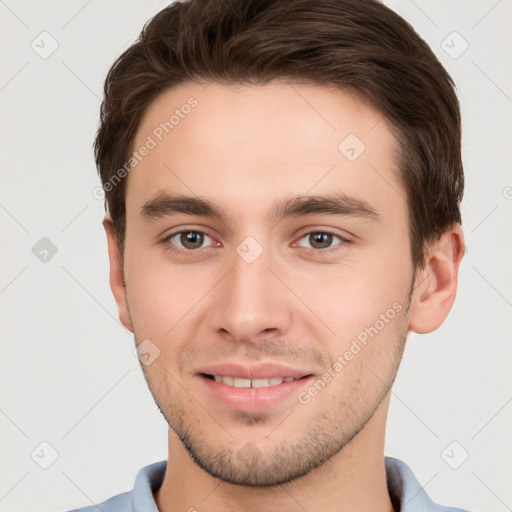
x=189 y=239
x=192 y=239
x=319 y=240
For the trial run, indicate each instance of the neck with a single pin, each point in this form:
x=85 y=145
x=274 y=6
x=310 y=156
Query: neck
x=353 y=479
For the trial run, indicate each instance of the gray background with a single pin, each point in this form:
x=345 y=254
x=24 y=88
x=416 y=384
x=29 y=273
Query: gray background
x=68 y=374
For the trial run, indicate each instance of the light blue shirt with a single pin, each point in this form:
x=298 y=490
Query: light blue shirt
x=406 y=492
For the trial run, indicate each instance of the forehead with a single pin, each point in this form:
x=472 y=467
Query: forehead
x=247 y=144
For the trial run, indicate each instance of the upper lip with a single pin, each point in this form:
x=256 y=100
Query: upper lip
x=253 y=371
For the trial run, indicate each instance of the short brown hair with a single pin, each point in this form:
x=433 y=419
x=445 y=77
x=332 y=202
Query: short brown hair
x=356 y=45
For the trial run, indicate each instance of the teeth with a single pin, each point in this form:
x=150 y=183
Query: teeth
x=265 y=383
x=254 y=383
x=241 y=383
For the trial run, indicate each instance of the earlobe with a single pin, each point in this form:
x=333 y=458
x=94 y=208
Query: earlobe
x=117 y=283
x=436 y=284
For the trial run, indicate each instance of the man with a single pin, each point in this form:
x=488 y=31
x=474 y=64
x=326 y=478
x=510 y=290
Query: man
x=283 y=182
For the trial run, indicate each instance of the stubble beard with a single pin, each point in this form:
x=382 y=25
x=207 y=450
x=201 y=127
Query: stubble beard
x=326 y=435
x=278 y=462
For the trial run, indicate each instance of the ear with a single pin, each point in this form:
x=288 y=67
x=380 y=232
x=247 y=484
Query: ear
x=436 y=284
x=117 y=283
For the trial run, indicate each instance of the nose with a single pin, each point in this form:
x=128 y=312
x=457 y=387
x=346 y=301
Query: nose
x=250 y=303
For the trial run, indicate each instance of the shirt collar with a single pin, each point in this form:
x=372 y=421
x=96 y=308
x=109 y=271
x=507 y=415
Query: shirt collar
x=148 y=481
x=406 y=493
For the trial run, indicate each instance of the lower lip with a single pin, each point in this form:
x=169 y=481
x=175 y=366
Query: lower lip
x=254 y=400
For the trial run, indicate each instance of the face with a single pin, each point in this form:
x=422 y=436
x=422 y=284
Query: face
x=268 y=272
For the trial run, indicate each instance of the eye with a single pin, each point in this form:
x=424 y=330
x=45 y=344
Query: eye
x=188 y=240
x=319 y=240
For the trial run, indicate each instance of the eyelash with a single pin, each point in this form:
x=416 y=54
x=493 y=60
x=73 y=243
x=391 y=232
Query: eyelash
x=189 y=252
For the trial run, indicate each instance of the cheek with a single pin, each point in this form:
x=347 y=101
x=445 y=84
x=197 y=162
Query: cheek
x=366 y=356
x=351 y=297
x=161 y=296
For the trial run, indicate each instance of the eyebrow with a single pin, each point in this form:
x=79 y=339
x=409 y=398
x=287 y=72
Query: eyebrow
x=165 y=205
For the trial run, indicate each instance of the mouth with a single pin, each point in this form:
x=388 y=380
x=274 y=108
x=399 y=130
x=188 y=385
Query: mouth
x=238 y=382
x=253 y=389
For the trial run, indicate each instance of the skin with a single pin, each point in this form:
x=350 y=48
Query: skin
x=297 y=303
